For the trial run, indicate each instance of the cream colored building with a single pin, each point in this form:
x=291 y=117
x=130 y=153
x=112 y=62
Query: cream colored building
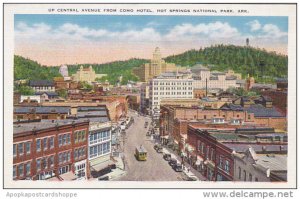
x=212 y=79
x=86 y=75
x=156 y=66
x=171 y=85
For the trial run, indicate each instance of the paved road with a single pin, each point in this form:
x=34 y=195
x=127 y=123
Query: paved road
x=155 y=168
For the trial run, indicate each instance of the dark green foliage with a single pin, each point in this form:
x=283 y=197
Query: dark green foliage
x=31 y=70
x=238 y=58
x=113 y=70
x=24 y=90
x=62 y=93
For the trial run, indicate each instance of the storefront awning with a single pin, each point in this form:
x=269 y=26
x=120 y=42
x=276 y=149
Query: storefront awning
x=101 y=166
x=68 y=176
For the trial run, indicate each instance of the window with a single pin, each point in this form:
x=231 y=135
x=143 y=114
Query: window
x=220 y=162
x=38 y=145
x=245 y=176
x=64 y=137
x=38 y=164
x=75 y=137
x=28 y=147
x=68 y=138
x=256 y=179
x=249 y=117
x=45 y=144
x=240 y=173
x=21 y=149
x=51 y=142
x=44 y=163
x=69 y=156
x=75 y=154
x=227 y=166
x=59 y=140
x=51 y=161
x=15 y=150
x=21 y=170
x=250 y=177
x=28 y=168
x=14 y=171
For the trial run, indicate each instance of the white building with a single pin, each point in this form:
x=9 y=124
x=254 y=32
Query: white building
x=42 y=85
x=63 y=70
x=99 y=145
x=170 y=85
x=250 y=166
x=30 y=98
x=213 y=79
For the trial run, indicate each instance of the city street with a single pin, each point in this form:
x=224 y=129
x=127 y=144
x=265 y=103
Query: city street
x=155 y=168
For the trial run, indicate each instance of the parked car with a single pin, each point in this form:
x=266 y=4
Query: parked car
x=159 y=149
x=172 y=161
x=103 y=178
x=167 y=156
x=178 y=167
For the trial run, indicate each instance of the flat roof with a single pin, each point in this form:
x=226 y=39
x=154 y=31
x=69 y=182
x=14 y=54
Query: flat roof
x=242 y=147
x=44 y=124
x=276 y=162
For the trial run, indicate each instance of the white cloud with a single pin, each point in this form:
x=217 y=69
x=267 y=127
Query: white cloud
x=254 y=25
x=272 y=31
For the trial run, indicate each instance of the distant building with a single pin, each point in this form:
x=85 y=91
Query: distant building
x=156 y=66
x=42 y=85
x=171 y=85
x=86 y=74
x=28 y=98
x=63 y=70
x=204 y=78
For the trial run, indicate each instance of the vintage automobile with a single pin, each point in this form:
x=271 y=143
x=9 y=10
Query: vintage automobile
x=178 y=167
x=159 y=149
x=167 y=156
x=172 y=161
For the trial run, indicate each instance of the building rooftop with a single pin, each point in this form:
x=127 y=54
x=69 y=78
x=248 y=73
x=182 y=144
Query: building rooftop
x=52 y=94
x=259 y=148
x=41 y=83
x=273 y=162
x=43 y=124
x=261 y=111
x=41 y=109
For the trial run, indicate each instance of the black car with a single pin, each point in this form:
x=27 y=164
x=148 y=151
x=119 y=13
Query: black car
x=167 y=157
x=172 y=161
x=177 y=167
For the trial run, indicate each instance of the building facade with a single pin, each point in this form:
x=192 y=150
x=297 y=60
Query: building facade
x=86 y=75
x=170 y=86
x=155 y=67
x=42 y=85
x=204 y=78
x=145 y=98
x=50 y=149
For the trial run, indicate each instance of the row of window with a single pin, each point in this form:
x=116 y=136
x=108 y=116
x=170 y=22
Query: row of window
x=22 y=148
x=173 y=93
x=64 y=157
x=249 y=178
x=79 y=136
x=173 y=88
x=64 y=139
x=21 y=170
x=173 y=83
x=224 y=164
x=99 y=136
x=45 y=163
x=100 y=149
x=79 y=153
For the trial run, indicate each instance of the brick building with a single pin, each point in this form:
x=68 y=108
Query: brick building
x=40 y=112
x=50 y=149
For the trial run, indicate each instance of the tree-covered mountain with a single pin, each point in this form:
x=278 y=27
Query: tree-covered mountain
x=31 y=70
x=113 y=70
x=241 y=59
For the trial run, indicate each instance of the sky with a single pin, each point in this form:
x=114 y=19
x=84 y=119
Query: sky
x=74 y=39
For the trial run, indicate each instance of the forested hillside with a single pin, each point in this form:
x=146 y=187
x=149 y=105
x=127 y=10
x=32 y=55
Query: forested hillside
x=31 y=70
x=239 y=58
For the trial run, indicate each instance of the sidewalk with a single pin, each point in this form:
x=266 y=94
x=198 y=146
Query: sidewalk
x=192 y=172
